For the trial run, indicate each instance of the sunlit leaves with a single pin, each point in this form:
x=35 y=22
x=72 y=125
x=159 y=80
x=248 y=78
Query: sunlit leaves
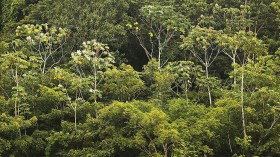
x=123 y=84
x=164 y=16
x=97 y=57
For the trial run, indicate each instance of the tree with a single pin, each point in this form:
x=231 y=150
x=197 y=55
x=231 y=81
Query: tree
x=202 y=43
x=123 y=84
x=259 y=103
x=97 y=57
x=14 y=142
x=260 y=79
x=70 y=90
x=152 y=133
x=16 y=66
x=196 y=125
x=44 y=42
x=185 y=74
x=161 y=24
x=251 y=47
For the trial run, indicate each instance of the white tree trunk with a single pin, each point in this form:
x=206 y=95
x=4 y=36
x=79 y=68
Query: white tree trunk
x=234 y=68
x=242 y=102
x=208 y=88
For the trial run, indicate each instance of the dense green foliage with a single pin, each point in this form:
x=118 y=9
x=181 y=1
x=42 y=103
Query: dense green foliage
x=129 y=78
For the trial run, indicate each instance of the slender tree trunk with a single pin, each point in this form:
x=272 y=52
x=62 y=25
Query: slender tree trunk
x=17 y=94
x=209 y=95
x=159 y=52
x=208 y=88
x=95 y=83
x=165 y=148
x=234 y=68
x=75 y=112
x=44 y=64
x=19 y=132
x=95 y=88
x=186 y=91
x=159 y=55
x=229 y=141
x=242 y=102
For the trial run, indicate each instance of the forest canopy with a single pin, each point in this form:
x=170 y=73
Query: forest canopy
x=139 y=78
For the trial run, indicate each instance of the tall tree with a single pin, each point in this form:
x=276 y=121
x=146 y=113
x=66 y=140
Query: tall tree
x=44 y=42
x=160 y=24
x=202 y=43
x=97 y=57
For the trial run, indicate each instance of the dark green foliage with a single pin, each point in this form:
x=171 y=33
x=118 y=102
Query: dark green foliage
x=206 y=81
